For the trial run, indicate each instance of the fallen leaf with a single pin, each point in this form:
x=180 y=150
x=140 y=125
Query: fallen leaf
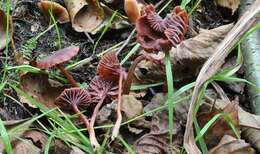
x=131 y=106
x=231 y=145
x=25 y=147
x=157 y=141
x=220 y=127
x=85 y=15
x=231 y=4
x=118 y=22
x=38 y=138
x=3 y=28
x=187 y=57
x=250 y=124
x=58 y=11
x=40 y=88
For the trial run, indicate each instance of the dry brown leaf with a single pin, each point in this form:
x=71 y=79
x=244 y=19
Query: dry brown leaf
x=85 y=15
x=250 y=124
x=231 y=4
x=186 y=58
x=220 y=127
x=25 y=147
x=246 y=119
x=3 y=27
x=40 y=88
x=231 y=145
x=58 y=11
x=157 y=140
x=131 y=106
x=38 y=138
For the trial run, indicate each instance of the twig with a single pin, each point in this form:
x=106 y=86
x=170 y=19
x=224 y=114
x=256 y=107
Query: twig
x=212 y=65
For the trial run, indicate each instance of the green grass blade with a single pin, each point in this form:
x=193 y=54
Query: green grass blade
x=5 y=138
x=126 y=145
x=145 y=86
x=170 y=100
x=48 y=144
x=104 y=31
x=130 y=53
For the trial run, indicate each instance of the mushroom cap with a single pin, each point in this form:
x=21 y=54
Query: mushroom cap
x=109 y=67
x=59 y=12
x=58 y=57
x=78 y=96
x=155 y=33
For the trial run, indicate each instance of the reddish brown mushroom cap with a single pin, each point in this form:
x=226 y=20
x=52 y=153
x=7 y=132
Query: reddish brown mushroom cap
x=59 y=57
x=109 y=67
x=155 y=33
x=70 y=96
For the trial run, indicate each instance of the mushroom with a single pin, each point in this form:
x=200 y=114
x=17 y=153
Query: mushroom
x=155 y=33
x=99 y=89
x=58 y=11
x=72 y=98
x=109 y=67
x=56 y=59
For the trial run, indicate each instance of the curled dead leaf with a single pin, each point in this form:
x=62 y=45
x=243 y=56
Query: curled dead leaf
x=40 y=88
x=3 y=28
x=85 y=15
x=187 y=57
x=58 y=11
x=231 y=145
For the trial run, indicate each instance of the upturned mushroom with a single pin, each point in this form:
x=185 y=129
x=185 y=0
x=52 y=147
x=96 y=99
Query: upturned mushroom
x=71 y=99
x=155 y=33
x=57 y=58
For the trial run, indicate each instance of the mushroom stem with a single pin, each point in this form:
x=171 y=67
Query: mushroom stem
x=130 y=73
x=68 y=76
x=119 y=114
x=92 y=134
x=81 y=115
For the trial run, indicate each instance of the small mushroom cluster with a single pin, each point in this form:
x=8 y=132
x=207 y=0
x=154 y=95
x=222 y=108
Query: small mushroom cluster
x=103 y=86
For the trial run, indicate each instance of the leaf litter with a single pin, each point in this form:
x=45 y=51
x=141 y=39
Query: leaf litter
x=139 y=119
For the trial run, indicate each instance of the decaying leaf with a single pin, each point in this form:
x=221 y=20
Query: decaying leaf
x=58 y=11
x=157 y=141
x=85 y=15
x=3 y=27
x=38 y=138
x=220 y=127
x=40 y=88
x=250 y=124
x=25 y=147
x=231 y=4
x=131 y=106
x=231 y=145
x=58 y=147
x=187 y=57
x=118 y=22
